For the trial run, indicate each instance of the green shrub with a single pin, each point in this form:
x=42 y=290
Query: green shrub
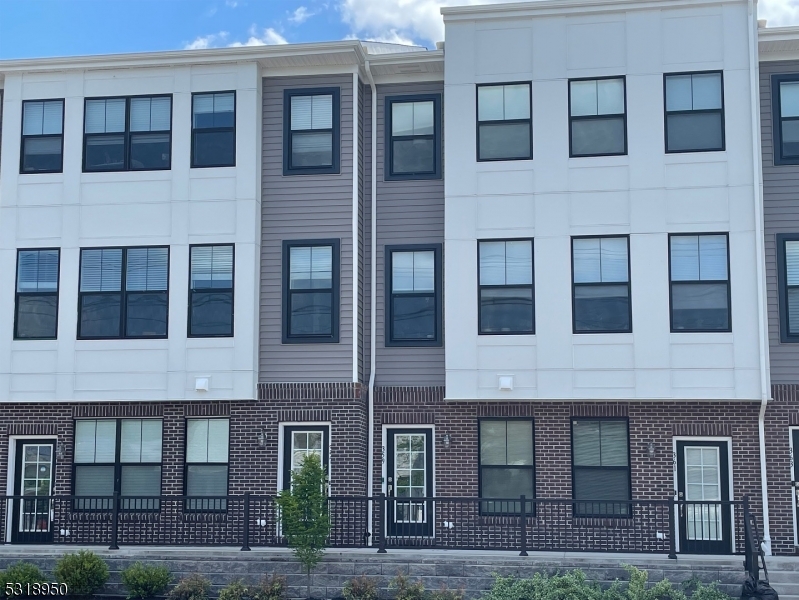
x=406 y=589
x=236 y=590
x=193 y=587
x=144 y=581
x=22 y=573
x=270 y=588
x=700 y=591
x=444 y=593
x=84 y=573
x=360 y=588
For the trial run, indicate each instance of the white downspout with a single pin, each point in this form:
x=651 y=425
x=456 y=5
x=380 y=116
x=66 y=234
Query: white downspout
x=765 y=383
x=356 y=325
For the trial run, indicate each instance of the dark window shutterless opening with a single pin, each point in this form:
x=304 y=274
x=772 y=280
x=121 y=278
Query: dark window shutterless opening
x=36 y=305
x=694 y=111
x=504 y=123
x=413 y=137
x=311 y=131
x=601 y=285
x=788 y=279
x=213 y=129
x=785 y=114
x=42 y=148
x=507 y=465
x=310 y=291
x=413 y=295
x=211 y=276
x=206 y=469
x=123 y=293
x=505 y=287
x=127 y=134
x=601 y=468
x=597 y=117
x=700 y=283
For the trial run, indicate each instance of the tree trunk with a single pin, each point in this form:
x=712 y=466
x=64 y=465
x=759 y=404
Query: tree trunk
x=309 y=582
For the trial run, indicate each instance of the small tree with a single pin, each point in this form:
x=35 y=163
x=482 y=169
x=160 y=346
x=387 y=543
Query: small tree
x=304 y=518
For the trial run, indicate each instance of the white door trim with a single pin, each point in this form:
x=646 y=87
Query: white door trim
x=12 y=475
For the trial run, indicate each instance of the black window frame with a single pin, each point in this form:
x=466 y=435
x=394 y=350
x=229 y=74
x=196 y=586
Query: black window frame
x=510 y=510
x=628 y=503
x=667 y=112
x=123 y=294
x=438 y=294
x=629 y=284
x=188 y=505
x=786 y=337
x=335 y=307
x=232 y=294
x=17 y=294
x=335 y=167
x=127 y=133
x=596 y=117
x=213 y=129
x=388 y=171
x=776 y=114
x=699 y=281
x=23 y=137
x=478 y=122
x=481 y=286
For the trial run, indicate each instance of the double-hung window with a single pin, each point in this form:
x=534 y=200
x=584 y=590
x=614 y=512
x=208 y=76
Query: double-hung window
x=785 y=111
x=700 y=283
x=601 y=277
x=206 y=475
x=504 y=126
x=211 y=291
x=127 y=134
x=123 y=292
x=117 y=456
x=506 y=287
x=788 y=277
x=310 y=291
x=507 y=465
x=213 y=130
x=42 y=136
x=36 y=313
x=413 y=298
x=311 y=131
x=694 y=112
x=597 y=117
x=601 y=467
x=414 y=140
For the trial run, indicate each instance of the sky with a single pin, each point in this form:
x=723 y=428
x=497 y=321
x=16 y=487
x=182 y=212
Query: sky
x=36 y=28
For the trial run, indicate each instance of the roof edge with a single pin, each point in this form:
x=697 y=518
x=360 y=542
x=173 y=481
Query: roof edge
x=568 y=6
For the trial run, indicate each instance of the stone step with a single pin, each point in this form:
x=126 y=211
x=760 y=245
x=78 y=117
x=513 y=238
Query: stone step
x=782 y=576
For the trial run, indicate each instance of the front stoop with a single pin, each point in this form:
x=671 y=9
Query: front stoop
x=783 y=574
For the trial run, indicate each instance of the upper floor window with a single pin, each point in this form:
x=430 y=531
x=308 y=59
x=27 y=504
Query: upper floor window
x=413 y=301
x=601 y=467
x=597 y=117
x=128 y=134
x=207 y=463
x=700 y=282
x=211 y=291
x=507 y=465
x=506 y=287
x=785 y=110
x=601 y=295
x=788 y=276
x=123 y=292
x=42 y=136
x=213 y=130
x=311 y=131
x=36 y=314
x=414 y=140
x=694 y=112
x=504 y=126
x=310 y=291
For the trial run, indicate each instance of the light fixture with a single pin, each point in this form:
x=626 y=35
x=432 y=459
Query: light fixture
x=60 y=451
x=446 y=441
x=262 y=438
x=650 y=449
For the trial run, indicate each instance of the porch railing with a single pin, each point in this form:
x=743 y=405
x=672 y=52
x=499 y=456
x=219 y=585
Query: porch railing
x=516 y=524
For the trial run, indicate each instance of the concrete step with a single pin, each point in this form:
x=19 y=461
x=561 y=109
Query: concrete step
x=782 y=576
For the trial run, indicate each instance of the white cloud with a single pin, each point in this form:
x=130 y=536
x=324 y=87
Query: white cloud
x=207 y=41
x=779 y=12
x=269 y=37
x=231 y=3
x=301 y=15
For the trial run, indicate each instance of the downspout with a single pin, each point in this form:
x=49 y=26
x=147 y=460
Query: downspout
x=765 y=384
x=356 y=325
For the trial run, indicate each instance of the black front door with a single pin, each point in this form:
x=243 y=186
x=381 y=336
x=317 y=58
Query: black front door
x=34 y=469
x=409 y=475
x=795 y=472
x=703 y=483
x=300 y=441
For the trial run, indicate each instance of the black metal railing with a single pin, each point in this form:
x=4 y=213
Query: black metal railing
x=521 y=524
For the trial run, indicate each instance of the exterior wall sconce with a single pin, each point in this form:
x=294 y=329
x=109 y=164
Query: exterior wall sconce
x=60 y=450
x=262 y=438
x=650 y=449
x=446 y=440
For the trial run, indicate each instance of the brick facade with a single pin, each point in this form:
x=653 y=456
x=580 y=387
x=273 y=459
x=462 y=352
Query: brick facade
x=781 y=414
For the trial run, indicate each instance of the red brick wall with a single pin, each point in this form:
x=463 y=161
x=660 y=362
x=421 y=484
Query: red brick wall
x=781 y=414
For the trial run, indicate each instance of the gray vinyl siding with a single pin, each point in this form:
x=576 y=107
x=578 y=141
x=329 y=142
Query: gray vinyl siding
x=364 y=224
x=781 y=215
x=408 y=212
x=303 y=207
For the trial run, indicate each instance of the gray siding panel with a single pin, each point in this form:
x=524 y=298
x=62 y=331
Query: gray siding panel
x=365 y=225
x=781 y=215
x=303 y=207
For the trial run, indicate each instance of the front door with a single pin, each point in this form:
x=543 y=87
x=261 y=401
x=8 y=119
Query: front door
x=300 y=441
x=795 y=472
x=32 y=515
x=703 y=483
x=409 y=472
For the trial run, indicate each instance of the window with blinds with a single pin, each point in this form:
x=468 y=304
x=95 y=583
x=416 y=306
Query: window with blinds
x=597 y=117
x=505 y=287
x=413 y=310
x=601 y=285
x=36 y=305
x=123 y=292
x=211 y=291
x=507 y=465
x=785 y=99
x=504 y=123
x=694 y=112
x=788 y=277
x=311 y=131
x=601 y=467
x=311 y=271
x=42 y=136
x=413 y=137
x=206 y=475
x=127 y=134
x=213 y=130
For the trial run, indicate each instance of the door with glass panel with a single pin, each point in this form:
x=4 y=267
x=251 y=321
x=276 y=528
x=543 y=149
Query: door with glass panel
x=301 y=441
x=703 y=486
x=795 y=462
x=32 y=515
x=409 y=475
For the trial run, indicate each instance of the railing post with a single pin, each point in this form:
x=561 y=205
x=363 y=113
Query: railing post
x=114 y=522
x=245 y=543
x=751 y=552
x=381 y=547
x=672 y=529
x=523 y=523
